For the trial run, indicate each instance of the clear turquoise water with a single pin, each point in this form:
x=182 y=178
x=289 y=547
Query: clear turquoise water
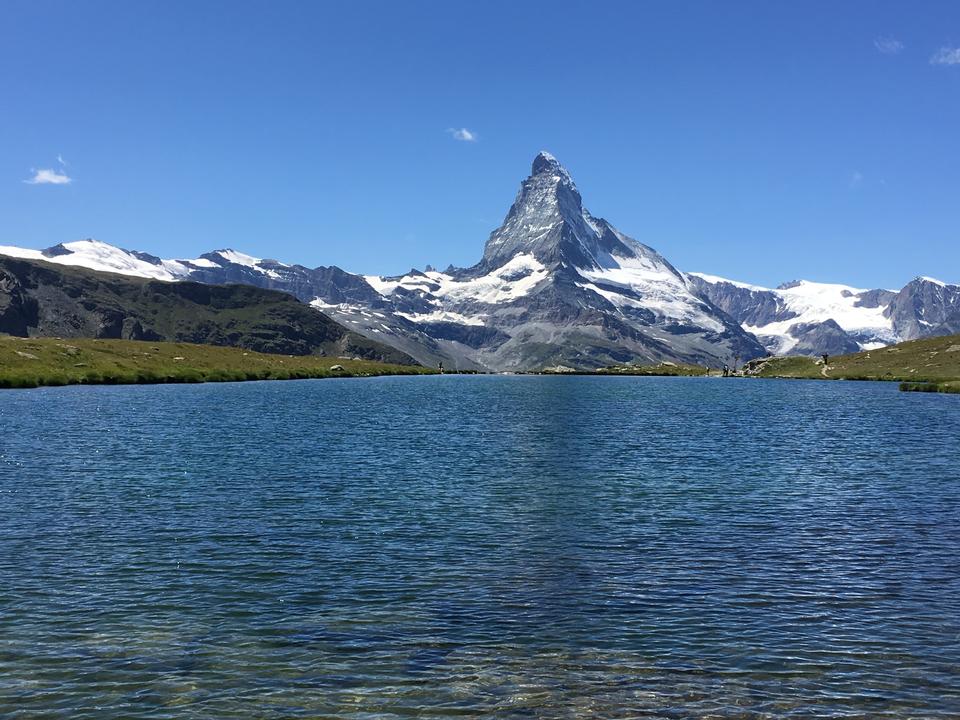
x=480 y=546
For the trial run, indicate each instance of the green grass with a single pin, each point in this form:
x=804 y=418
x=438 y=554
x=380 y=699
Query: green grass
x=931 y=364
x=943 y=387
x=32 y=362
x=662 y=369
x=790 y=367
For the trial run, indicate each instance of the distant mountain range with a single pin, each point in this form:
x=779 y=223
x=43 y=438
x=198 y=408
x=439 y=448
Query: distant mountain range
x=558 y=286
x=808 y=318
x=45 y=300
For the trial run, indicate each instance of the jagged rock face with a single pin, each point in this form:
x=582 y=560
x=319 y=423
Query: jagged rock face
x=924 y=308
x=747 y=305
x=819 y=338
x=306 y=284
x=875 y=298
x=547 y=221
x=19 y=311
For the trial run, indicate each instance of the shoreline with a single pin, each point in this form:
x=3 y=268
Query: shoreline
x=930 y=365
x=193 y=378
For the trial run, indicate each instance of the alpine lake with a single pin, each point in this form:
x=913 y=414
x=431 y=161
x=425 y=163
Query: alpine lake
x=480 y=546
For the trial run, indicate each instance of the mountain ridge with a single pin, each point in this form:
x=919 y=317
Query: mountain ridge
x=42 y=299
x=784 y=317
x=556 y=285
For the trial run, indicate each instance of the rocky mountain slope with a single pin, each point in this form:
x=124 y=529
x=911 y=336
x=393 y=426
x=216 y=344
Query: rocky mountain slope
x=558 y=286
x=38 y=299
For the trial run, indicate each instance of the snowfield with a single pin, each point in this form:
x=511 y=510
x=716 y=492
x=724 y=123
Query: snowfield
x=97 y=255
x=813 y=303
x=512 y=281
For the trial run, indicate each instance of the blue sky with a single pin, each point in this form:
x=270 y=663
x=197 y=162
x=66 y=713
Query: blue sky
x=761 y=141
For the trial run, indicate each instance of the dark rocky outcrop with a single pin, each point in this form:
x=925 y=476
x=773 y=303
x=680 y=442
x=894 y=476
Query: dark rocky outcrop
x=819 y=338
x=924 y=308
x=38 y=299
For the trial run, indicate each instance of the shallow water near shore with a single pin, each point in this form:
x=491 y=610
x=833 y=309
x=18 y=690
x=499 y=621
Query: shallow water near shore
x=480 y=546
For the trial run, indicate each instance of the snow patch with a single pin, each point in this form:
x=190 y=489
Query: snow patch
x=25 y=253
x=239 y=258
x=254 y=263
x=199 y=262
x=512 y=281
x=97 y=255
x=653 y=285
x=442 y=316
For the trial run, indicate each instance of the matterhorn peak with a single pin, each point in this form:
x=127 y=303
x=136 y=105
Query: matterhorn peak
x=545 y=162
x=546 y=166
x=548 y=221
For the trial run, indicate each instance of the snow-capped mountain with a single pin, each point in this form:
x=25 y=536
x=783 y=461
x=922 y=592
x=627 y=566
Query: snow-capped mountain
x=804 y=317
x=925 y=307
x=558 y=286
x=58 y=300
x=96 y=255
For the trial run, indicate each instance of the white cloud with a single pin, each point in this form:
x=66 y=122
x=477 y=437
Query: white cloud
x=463 y=134
x=856 y=179
x=888 y=45
x=47 y=176
x=946 y=56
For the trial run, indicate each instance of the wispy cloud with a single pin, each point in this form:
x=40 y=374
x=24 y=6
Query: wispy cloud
x=946 y=56
x=888 y=45
x=856 y=179
x=463 y=134
x=50 y=176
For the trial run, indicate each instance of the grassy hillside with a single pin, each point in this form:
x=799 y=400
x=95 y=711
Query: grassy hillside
x=30 y=362
x=933 y=363
x=664 y=369
x=39 y=299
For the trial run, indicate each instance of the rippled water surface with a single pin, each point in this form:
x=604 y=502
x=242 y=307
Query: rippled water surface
x=487 y=546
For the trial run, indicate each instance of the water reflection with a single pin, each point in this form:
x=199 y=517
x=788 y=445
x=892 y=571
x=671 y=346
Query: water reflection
x=518 y=547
